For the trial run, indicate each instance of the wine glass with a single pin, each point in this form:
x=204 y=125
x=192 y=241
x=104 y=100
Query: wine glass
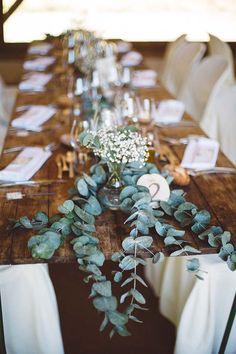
x=78 y=126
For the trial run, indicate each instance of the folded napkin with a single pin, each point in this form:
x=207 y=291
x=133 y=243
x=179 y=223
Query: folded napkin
x=35 y=81
x=25 y=165
x=123 y=47
x=34 y=117
x=41 y=49
x=144 y=78
x=201 y=153
x=131 y=59
x=39 y=64
x=168 y=111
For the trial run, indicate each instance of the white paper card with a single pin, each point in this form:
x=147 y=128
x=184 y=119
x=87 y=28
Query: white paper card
x=131 y=59
x=144 y=78
x=42 y=48
x=35 y=81
x=169 y=111
x=200 y=154
x=107 y=70
x=25 y=165
x=34 y=117
x=39 y=64
x=157 y=185
x=123 y=47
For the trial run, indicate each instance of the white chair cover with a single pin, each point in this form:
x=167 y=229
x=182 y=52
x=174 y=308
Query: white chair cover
x=29 y=310
x=199 y=309
x=185 y=57
x=172 y=47
x=226 y=119
x=218 y=47
x=205 y=84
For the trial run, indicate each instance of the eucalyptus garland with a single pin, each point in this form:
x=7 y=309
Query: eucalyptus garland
x=78 y=216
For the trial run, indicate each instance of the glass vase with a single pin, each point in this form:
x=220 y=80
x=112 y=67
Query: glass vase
x=110 y=192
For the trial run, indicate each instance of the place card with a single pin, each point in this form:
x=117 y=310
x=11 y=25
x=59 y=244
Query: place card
x=168 y=112
x=35 y=81
x=200 y=153
x=144 y=78
x=25 y=165
x=38 y=64
x=41 y=49
x=131 y=59
x=34 y=117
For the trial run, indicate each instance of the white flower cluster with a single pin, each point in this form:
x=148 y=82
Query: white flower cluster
x=121 y=146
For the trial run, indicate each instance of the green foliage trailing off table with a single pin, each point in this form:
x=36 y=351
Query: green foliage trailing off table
x=78 y=217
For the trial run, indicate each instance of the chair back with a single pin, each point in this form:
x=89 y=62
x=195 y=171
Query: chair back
x=204 y=83
x=171 y=49
x=226 y=119
x=183 y=61
x=217 y=47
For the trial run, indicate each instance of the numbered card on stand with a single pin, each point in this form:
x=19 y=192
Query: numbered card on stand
x=157 y=185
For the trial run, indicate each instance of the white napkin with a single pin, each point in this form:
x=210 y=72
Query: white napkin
x=169 y=111
x=35 y=81
x=34 y=117
x=131 y=59
x=39 y=64
x=144 y=78
x=41 y=49
x=25 y=165
x=201 y=153
x=123 y=47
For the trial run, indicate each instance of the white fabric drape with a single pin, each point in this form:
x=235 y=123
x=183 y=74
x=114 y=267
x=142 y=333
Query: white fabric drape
x=199 y=309
x=29 y=310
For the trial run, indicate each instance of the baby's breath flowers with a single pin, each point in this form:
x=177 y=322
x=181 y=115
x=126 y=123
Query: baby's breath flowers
x=117 y=145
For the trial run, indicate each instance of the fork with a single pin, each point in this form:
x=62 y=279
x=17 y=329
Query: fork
x=215 y=170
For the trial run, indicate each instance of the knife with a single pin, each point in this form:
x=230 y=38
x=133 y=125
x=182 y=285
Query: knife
x=36 y=183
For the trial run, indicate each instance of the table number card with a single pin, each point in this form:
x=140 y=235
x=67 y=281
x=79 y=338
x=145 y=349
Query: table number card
x=157 y=185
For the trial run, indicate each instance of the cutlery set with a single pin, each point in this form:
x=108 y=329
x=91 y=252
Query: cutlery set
x=65 y=163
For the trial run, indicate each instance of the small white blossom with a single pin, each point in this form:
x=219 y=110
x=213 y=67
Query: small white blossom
x=120 y=146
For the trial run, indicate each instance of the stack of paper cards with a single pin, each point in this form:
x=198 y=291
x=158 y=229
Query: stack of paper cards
x=201 y=153
x=41 y=49
x=25 y=165
x=39 y=64
x=34 y=117
x=35 y=82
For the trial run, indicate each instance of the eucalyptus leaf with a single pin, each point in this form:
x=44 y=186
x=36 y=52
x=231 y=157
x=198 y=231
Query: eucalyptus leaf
x=104 y=304
x=104 y=323
x=158 y=257
x=193 y=264
x=82 y=187
x=25 y=221
x=103 y=288
x=83 y=215
x=175 y=233
x=117 y=318
x=138 y=296
x=127 y=192
x=118 y=277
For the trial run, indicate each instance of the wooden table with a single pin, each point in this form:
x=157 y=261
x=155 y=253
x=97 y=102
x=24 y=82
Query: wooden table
x=215 y=193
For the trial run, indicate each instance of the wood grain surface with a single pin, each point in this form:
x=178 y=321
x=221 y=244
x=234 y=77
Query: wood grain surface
x=215 y=193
